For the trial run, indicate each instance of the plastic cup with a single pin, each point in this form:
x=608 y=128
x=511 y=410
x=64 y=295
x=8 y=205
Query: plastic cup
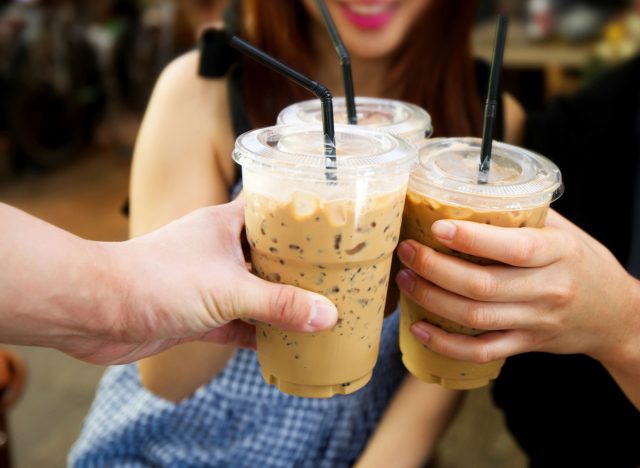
x=400 y=118
x=444 y=185
x=333 y=237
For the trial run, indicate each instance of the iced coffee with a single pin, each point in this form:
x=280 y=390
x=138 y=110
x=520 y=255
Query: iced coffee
x=522 y=184
x=400 y=118
x=334 y=235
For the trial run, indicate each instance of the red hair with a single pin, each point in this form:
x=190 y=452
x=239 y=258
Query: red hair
x=432 y=68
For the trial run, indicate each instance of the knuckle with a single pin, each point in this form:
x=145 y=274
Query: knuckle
x=563 y=292
x=550 y=324
x=467 y=239
x=523 y=250
x=283 y=307
x=572 y=248
x=477 y=316
x=421 y=295
x=424 y=263
x=482 y=355
x=483 y=286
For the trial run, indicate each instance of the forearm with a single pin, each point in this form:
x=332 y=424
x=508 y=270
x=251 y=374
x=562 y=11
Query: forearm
x=411 y=427
x=622 y=361
x=628 y=379
x=54 y=286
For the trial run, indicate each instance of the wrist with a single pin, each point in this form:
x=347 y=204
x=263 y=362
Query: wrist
x=624 y=351
x=139 y=285
x=115 y=290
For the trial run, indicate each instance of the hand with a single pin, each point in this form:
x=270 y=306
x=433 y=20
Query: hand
x=189 y=281
x=558 y=290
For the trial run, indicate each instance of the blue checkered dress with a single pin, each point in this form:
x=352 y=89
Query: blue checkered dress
x=236 y=420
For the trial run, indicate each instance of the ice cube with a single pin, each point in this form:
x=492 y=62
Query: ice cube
x=414 y=198
x=303 y=206
x=336 y=213
x=458 y=212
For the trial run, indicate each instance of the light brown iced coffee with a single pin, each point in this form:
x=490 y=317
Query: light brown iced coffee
x=333 y=237
x=400 y=118
x=444 y=186
x=335 y=249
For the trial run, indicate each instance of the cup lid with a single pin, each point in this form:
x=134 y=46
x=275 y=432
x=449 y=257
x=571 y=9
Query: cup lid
x=448 y=171
x=299 y=150
x=398 y=117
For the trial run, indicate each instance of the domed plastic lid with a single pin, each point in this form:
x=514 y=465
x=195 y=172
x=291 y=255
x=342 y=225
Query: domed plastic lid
x=397 y=117
x=299 y=151
x=448 y=171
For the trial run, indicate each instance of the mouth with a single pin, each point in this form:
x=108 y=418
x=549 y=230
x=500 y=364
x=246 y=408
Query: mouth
x=368 y=15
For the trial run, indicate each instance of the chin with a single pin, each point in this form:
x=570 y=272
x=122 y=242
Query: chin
x=370 y=48
x=375 y=35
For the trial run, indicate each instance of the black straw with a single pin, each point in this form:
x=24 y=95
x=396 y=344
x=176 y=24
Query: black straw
x=345 y=61
x=316 y=88
x=491 y=105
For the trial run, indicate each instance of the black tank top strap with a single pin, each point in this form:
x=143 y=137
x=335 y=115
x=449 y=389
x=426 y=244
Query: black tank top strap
x=218 y=59
x=216 y=55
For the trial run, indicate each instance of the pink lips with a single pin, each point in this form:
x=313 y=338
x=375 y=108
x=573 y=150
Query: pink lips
x=368 y=21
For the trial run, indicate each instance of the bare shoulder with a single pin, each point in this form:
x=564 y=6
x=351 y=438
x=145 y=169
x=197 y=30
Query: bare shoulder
x=182 y=156
x=179 y=84
x=189 y=112
x=514 y=119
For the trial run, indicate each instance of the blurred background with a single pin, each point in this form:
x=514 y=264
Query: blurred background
x=75 y=77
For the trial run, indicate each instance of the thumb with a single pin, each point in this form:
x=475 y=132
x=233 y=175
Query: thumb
x=282 y=305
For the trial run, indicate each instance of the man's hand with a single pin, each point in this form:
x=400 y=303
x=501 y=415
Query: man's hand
x=116 y=302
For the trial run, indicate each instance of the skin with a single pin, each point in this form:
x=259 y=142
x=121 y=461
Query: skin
x=370 y=44
x=558 y=290
x=164 y=187
x=112 y=303
x=198 y=13
x=182 y=161
x=411 y=427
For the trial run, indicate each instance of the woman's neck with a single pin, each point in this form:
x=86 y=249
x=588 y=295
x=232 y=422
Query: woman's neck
x=368 y=74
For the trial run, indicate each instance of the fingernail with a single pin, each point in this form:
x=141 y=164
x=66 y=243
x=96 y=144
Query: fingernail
x=323 y=315
x=444 y=229
x=420 y=331
x=406 y=253
x=406 y=281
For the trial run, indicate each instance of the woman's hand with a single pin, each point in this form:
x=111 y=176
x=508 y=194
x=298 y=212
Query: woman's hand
x=557 y=290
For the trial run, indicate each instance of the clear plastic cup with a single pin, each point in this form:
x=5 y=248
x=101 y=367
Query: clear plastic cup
x=444 y=185
x=396 y=117
x=330 y=227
